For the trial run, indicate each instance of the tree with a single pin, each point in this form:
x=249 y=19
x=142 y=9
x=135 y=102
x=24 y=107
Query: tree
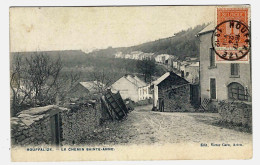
x=147 y=67
x=34 y=80
x=103 y=80
x=65 y=84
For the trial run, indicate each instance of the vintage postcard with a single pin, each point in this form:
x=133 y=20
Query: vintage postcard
x=130 y=83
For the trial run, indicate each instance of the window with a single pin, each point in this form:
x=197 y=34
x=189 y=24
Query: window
x=145 y=91
x=212 y=58
x=213 y=88
x=187 y=74
x=234 y=69
x=236 y=91
x=182 y=73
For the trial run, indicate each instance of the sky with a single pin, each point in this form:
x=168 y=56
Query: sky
x=88 y=28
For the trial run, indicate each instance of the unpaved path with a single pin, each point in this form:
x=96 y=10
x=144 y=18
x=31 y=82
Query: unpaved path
x=144 y=126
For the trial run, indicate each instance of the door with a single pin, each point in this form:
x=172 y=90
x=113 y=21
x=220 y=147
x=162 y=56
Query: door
x=194 y=95
x=55 y=128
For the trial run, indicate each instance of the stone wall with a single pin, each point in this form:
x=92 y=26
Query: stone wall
x=53 y=125
x=177 y=99
x=79 y=123
x=238 y=113
x=32 y=127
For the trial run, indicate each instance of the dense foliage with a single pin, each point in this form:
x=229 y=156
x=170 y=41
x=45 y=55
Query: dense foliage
x=147 y=67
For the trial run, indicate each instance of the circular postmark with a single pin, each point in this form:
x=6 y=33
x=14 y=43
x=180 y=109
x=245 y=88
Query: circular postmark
x=231 y=40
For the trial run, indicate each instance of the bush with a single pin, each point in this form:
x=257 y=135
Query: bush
x=237 y=113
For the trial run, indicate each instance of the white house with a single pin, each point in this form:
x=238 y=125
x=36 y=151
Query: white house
x=129 y=86
x=128 y=56
x=157 y=59
x=136 y=55
x=119 y=55
x=145 y=93
x=191 y=72
x=162 y=58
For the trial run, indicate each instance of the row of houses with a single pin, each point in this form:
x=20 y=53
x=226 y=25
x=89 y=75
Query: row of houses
x=135 y=55
x=200 y=80
x=139 y=55
x=188 y=68
x=214 y=81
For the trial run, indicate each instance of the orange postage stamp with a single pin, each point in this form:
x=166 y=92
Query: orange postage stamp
x=231 y=37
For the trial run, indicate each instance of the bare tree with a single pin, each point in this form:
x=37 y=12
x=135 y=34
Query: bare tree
x=34 y=80
x=18 y=95
x=103 y=80
x=67 y=83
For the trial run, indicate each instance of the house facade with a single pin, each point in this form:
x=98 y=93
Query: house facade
x=221 y=81
x=145 y=93
x=190 y=71
x=129 y=87
x=136 y=55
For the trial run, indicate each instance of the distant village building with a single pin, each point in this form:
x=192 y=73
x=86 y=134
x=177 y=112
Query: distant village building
x=165 y=59
x=171 y=59
x=157 y=58
x=148 y=56
x=191 y=73
x=136 y=55
x=131 y=87
x=175 y=64
x=221 y=81
x=119 y=55
x=128 y=56
x=171 y=93
x=194 y=59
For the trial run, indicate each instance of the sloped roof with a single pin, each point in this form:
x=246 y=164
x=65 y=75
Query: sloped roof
x=92 y=86
x=139 y=81
x=135 y=80
x=159 y=80
x=195 y=64
x=207 y=29
x=28 y=117
x=166 y=75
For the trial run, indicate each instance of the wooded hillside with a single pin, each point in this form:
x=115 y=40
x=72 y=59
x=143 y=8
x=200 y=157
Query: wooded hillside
x=182 y=44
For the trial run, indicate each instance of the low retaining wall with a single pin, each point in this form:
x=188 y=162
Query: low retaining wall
x=78 y=123
x=238 y=113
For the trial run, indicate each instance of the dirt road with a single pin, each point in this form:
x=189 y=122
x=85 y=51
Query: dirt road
x=144 y=126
